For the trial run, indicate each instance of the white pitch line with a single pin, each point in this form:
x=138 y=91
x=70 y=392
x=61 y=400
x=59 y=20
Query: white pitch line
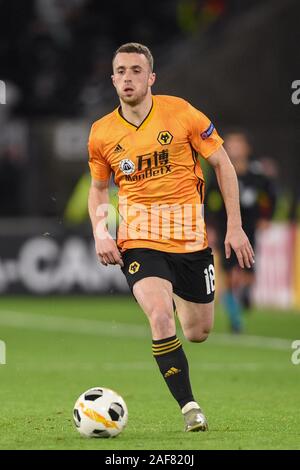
x=204 y=366
x=70 y=325
x=113 y=329
x=265 y=342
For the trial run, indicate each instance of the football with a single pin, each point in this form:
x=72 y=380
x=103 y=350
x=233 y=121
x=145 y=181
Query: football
x=100 y=412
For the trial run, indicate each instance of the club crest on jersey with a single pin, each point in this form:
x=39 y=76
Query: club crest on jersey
x=165 y=137
x=127 y=166
x=208 y=132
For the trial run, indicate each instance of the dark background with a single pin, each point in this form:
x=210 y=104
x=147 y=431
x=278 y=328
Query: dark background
x=234 y=60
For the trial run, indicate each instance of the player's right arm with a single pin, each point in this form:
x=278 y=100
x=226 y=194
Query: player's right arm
x=106 y=247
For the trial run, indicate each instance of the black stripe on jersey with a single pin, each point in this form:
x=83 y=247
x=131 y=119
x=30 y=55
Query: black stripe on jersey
x=200 y=184
x=200 y=188
x=194 y=154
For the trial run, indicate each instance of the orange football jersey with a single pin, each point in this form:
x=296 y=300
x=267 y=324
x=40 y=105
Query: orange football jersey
x=156 y=167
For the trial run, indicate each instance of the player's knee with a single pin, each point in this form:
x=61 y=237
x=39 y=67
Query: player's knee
x=197 y=336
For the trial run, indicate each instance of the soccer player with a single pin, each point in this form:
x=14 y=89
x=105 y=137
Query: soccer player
x=151 y=144
x=257 y=203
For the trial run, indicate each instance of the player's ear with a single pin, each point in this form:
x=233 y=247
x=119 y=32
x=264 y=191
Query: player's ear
x=113 y=80
x=152 y=78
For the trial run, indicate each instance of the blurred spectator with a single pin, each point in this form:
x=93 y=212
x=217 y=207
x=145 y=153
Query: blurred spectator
x=76 y=211
x=257 y=201
x=195 y=15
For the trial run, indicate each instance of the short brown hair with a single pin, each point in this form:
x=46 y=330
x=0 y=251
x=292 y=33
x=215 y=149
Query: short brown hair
x=135 y=47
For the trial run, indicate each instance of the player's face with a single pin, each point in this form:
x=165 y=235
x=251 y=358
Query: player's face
x=132 y=77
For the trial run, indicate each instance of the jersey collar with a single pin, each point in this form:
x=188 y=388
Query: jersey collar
x=143 y=123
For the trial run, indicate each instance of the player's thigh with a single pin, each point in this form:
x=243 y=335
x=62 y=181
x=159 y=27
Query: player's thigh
x=150 y=279
x=196 y=319
x=154 y=295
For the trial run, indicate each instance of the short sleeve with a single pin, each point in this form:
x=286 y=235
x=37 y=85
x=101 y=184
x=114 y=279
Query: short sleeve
x=202 y=133
x=99 y=167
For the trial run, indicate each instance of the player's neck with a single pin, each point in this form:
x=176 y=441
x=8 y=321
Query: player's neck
x=136 y=114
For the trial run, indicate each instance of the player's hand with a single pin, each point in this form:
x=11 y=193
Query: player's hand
x=107 y=251
x=237 y=240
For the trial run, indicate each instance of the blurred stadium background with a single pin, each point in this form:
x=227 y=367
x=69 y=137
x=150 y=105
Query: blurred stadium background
x=234 y=60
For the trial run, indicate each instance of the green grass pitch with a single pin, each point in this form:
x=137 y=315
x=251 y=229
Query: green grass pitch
x=59 y=347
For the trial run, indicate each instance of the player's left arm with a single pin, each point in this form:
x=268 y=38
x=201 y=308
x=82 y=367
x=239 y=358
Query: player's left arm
x=236 y=238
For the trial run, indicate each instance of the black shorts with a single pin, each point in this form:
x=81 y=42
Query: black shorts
x=191 y=274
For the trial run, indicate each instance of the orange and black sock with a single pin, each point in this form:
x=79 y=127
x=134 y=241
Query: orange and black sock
x=174 y=368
